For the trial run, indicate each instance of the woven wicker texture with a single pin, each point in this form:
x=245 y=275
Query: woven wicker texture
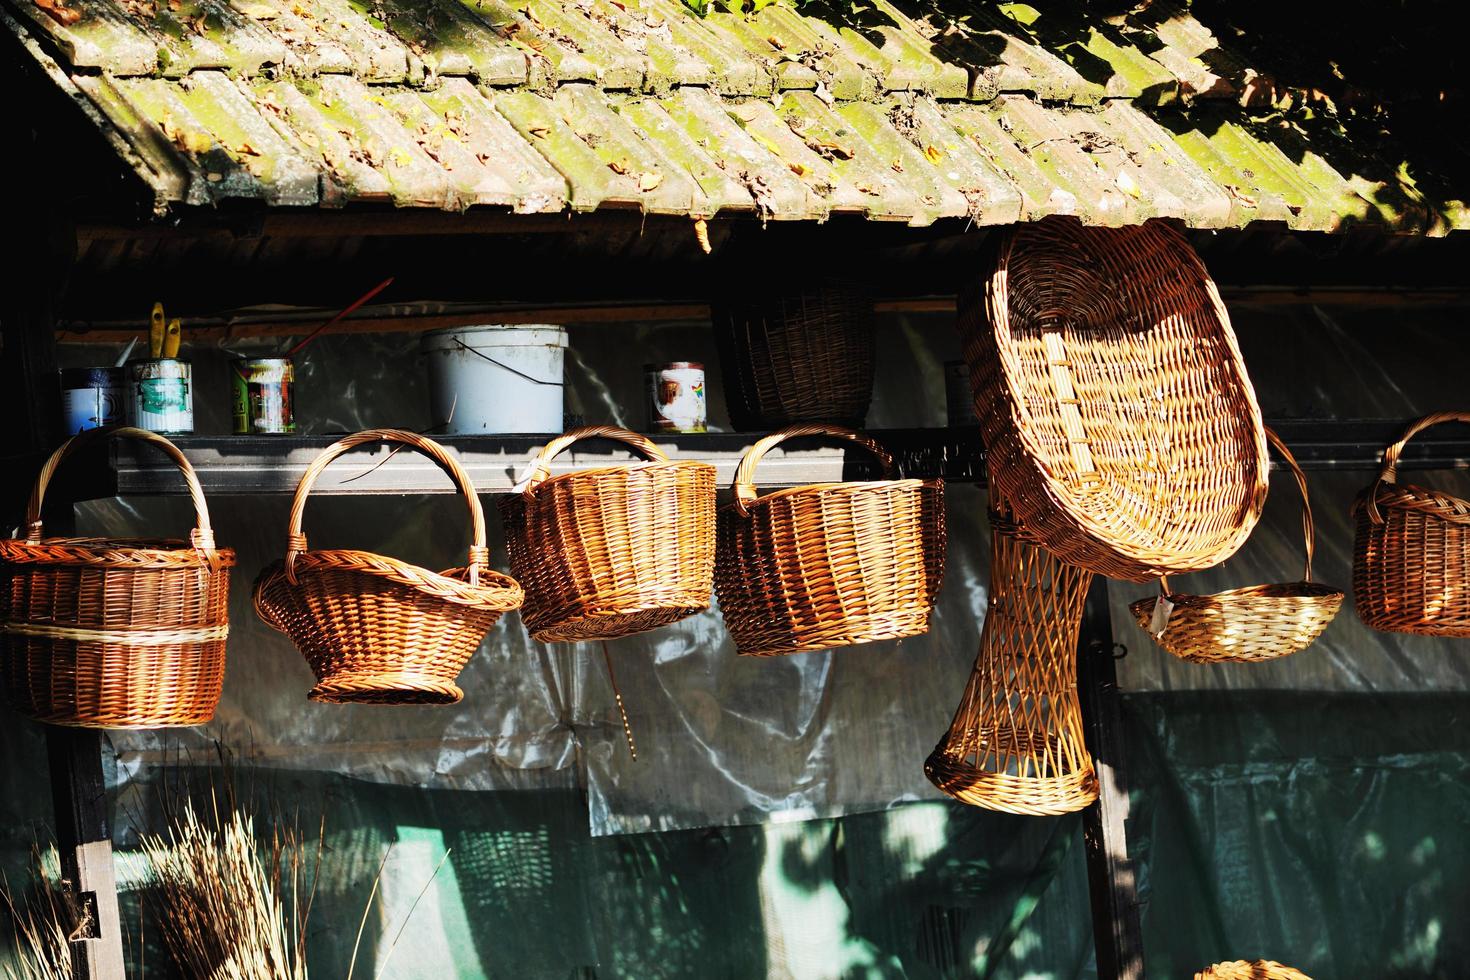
x=1260 y=622
x=799 y=356
x=615 y=550
x=1113 y=400
x=114 y=633
x=1016 y=742
x=374 y=629
x=1250 y=970
x=829 y=564
x=1411 y=550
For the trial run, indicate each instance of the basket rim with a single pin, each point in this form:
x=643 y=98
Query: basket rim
x=598 y=472
x=1412 y=496
x=1309 y=591
x=844 y=486
x=497 y=591
x=121 y=553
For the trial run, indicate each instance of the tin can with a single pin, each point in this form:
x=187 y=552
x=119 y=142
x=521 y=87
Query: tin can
x=93 y=397
x=675 y=396
x=263 y=390
x=163 y=395
x=959 y=400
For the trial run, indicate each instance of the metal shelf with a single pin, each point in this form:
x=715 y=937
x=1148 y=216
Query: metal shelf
x=273 y=465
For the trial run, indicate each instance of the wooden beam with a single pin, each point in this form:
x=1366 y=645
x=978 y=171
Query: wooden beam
x=1112 y=882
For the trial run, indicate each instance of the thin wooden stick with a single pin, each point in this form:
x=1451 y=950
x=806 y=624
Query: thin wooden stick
x=618 y=696
x=345 y=313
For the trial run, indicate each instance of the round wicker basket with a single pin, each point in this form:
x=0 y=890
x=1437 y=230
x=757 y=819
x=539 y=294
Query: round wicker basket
x=1113 y=401
x=1252 y=624
x=114 y=633
x=828 y=564
x=377 y=630
x=1250 y=970
x=1411 y=550
x=615 y=550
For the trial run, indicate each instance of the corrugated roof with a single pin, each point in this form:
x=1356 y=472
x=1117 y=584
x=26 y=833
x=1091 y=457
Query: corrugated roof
x=910 y=115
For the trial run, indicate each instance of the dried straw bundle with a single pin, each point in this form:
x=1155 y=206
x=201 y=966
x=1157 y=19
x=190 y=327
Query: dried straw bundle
x=39 y=925
x=218 y=905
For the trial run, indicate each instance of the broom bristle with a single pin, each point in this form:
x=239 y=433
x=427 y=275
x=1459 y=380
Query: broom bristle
x=39 y=924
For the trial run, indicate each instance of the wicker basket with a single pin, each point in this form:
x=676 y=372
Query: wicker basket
x=829 y=564
x=800 y=356
x=377 y=630
x=1016 y=743
x=1113 y=400
x=1411 y=551
x=606 y=552
x=1261 y=622
x=1250 y=970
x=112 y=632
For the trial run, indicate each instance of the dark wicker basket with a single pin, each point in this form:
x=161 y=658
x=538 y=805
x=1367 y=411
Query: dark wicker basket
x=801 y=355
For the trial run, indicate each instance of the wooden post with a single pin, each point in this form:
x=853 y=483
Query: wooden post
x=31 y=396
x=1117 y=934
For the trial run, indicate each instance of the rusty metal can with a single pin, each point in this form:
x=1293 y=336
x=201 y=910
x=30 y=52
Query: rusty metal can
x=93 y=397
x=163 y=395
x=263 y=396
x=675 y=396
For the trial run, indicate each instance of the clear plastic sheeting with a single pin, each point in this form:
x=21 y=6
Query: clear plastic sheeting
x=722 y=739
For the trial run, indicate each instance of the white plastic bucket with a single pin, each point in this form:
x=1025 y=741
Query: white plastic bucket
x=496 y=378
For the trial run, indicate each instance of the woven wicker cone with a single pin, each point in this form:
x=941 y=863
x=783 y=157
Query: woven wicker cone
x=611 y=551
x=374 y=629
x=1261 y=622
x=114 y=633
x=1016 y=742
x=829 y=564
x=1411 y=550
x=1250 y=970
x=802 y=356
x=1113 y=401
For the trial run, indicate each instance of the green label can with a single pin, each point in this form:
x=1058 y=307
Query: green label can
x=263 y=395
x=163 y=395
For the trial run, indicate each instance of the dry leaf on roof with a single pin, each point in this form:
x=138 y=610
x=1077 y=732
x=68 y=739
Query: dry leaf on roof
x=932 y=154
x=63 y=15
x=260 y=11
x=648 y=181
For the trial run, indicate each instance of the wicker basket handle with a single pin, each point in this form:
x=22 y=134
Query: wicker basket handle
x=541 y=463
x=745 y=473
x=479 y=556
x=202 y=537
x=1391 y=455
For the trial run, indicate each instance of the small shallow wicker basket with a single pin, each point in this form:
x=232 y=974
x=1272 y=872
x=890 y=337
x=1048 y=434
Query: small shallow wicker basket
x=1250 y=970
x=828 y=564
x=805 y=355
x=615 y=550
x=1411 y=550
x=374 y=629
x=1016 y=743
x=1113 y=401
x=1261 y=622
x=114 y=632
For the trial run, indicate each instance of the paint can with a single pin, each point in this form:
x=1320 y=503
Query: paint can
x=496 y=378
x=93 y=397
x=676 y=400
x=163 y=395
x=263 y=395
x=959 y=400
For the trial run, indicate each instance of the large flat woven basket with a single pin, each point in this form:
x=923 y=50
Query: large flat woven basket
x=612 y=550
x=828 y=564
x=1113 y=401
x=377 y=630
x=1250 y=970
x=799 y=355
x=1259 y=622
x=1016 y=743
x=114 y=632
x=1411 y=550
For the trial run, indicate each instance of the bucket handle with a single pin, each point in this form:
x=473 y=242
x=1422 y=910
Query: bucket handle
x=1391 y=455
x=201 y=537
x=541 y=462
x=461 y=345
x=479 y=554
x=744 y=485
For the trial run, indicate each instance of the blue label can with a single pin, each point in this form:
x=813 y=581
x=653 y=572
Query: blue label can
x=92 y=398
